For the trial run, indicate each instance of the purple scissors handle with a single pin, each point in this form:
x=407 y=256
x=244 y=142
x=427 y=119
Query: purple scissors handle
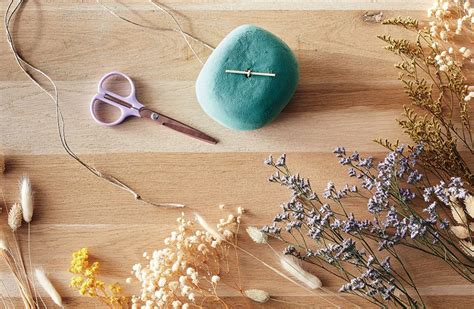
x=129 y=106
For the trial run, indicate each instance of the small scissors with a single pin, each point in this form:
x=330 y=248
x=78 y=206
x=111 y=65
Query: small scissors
x=129 y=106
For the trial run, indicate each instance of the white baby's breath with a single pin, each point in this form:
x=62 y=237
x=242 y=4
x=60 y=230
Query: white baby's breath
x=180 y=271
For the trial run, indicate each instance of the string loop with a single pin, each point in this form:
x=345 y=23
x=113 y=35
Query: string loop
x=25 y=66
x=165 y=10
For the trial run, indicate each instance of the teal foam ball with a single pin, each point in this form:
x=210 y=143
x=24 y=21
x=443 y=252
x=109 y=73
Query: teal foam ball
x=247 y=103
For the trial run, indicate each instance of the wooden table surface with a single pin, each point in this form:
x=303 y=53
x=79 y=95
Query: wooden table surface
x=348 y=95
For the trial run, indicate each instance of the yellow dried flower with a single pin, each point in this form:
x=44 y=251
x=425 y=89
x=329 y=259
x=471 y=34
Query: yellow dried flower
x=79 y=261
x=86 y=282
x=432 y=73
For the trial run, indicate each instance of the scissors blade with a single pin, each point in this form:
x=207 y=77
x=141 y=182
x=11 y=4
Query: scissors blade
x=176 y=125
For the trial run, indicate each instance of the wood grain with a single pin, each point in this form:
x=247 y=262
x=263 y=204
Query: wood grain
x=247 y=5
x=348 y=95
x=76 y=211
x=333 y=49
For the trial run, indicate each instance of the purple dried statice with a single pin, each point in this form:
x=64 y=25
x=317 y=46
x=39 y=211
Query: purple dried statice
x=406 y=213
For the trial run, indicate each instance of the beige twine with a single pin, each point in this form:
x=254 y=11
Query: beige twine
x=165 y=10
x=25 y=66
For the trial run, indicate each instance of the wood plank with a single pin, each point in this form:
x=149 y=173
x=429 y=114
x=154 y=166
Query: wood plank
x=117 y=230
x=348 y=95
x=330 y=107
x=245 y=5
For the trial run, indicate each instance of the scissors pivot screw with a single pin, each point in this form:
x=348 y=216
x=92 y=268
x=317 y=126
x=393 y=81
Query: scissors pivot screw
x=155 y=116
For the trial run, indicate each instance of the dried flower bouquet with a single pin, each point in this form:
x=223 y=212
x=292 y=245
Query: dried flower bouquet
x=11 y=253
x=319 y=230
x=432 y=70
x=197 y=259
x=86 y=281
x=186 y=272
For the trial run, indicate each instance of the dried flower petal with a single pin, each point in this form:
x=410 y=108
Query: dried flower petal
x=256 y=295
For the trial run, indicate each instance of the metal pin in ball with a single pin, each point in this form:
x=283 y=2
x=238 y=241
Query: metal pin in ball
x=248 y=73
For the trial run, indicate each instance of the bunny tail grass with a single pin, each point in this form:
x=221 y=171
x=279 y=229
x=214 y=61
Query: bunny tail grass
x=295 y=270
x=26 y=198
x=208 y=228
x=48 y=287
